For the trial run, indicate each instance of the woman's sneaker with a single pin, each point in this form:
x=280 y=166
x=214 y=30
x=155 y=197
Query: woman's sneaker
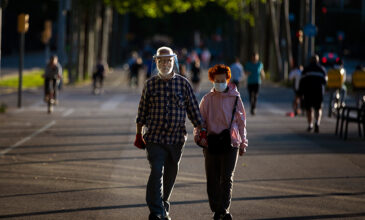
x=217 y=216
x=316 y=128
x=227 y=217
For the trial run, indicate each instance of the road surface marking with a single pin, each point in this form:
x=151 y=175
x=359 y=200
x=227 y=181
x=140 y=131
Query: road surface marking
x=68 y=112
x=273 y=108
x=112 y=103
x=22 y=141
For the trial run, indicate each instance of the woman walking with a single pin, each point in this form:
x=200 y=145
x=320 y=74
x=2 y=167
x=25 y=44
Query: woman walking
x=223 y=113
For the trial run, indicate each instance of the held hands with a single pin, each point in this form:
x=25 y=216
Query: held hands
x=242 y=151
x=203 y=141
x=139 y=142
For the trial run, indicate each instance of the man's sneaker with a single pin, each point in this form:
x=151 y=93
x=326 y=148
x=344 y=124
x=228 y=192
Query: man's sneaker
x=316 y=129
x=153 y=217
x=227 y=217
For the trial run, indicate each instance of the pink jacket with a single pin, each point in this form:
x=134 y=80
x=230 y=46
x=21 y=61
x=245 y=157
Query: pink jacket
x=216 y=110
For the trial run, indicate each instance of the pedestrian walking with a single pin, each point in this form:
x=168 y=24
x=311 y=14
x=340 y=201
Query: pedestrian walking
x=165 y=101
x=195 y=74
x=312 y=86
x=254 y=69
x=295 y=76
x=205 y=57
x=224 y=118
x=134 y=72
x=98 y=77
x=237 y=72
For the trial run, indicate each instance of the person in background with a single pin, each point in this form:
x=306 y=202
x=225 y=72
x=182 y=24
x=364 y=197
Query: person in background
x=148 y=62
x=237 y=72
x=195 y=74
x=205 y=58
x=52 y=75
x=343 y=91
x=254 y=69
x=312 y=86
x=134 y=71
x=182 y=68
x=295 y=76
x=216 y=109
x=98 y=77
x=165 y=101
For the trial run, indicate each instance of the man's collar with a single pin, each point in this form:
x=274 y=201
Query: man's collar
x=170 y=76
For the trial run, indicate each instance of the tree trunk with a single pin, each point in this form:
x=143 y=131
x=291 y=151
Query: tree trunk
x=268 y=33
x=61 y=32
x=287 y=33
x=90 y=42
x=86 y=46
x=306 y=39
x=275 y=41
x=106 y=28
x=81 y=46
x=114 y=41
x=72 y=44
x=98 y=28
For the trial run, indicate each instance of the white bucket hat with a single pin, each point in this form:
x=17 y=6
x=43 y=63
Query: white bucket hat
x=165 y=52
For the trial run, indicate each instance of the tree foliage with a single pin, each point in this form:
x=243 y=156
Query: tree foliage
x=158 y=8
x=155 y=8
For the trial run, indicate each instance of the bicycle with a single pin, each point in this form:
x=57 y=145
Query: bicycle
x=50 y=102
x=336 y=101
x=50 y=94
x=335 y=84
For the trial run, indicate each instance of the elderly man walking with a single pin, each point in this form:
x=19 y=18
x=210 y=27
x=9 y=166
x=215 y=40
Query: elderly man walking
x=166 y=99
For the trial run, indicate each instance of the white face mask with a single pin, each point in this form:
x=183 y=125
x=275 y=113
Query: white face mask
x=220 y=87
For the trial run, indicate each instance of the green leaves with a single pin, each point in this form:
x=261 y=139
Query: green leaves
x=154 y=8
x=238 y=9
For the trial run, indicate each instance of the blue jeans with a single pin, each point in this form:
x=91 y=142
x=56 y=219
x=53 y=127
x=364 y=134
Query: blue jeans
x=164 y=162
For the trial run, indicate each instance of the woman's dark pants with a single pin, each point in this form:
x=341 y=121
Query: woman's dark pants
x=219 y=170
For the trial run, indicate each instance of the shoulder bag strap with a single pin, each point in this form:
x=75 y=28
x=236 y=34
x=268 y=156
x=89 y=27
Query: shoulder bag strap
x=233 y=112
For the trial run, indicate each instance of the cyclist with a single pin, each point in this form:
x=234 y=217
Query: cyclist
x=337 y=87
x=53 y=73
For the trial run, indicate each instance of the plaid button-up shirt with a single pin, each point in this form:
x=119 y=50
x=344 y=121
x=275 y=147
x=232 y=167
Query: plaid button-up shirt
x=163 y=108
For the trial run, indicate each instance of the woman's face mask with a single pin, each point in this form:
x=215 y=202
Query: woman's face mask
x=220 y=87
x=220 y=83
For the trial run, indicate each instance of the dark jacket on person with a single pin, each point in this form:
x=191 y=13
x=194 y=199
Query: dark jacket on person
x=53 y=71
x=313 y=80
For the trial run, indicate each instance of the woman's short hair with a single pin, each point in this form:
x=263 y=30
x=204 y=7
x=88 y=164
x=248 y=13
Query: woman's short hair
x=219 y=69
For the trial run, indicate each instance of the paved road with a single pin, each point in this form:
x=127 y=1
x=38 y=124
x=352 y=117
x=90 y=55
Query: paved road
x=80 y=163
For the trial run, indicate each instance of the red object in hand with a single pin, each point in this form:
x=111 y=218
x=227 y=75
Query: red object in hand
x=139 y=142
x=203 y=134
x=203 y=138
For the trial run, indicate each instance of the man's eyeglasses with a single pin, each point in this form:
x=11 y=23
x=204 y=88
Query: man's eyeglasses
x=160 y=61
